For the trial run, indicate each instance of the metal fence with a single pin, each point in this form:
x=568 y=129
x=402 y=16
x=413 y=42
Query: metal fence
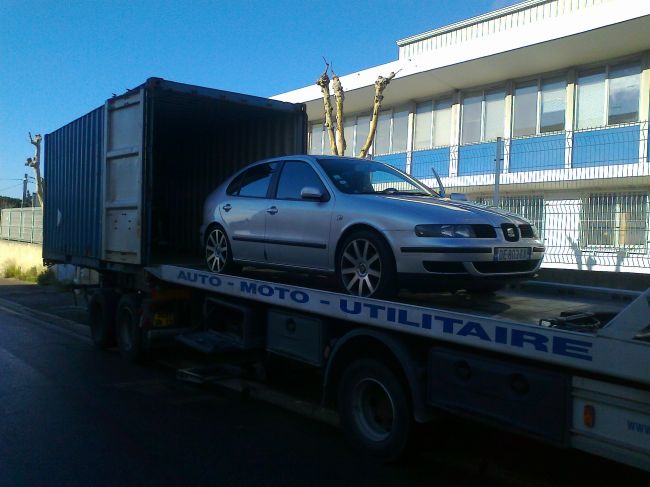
x=587 y=191
x=22 y=224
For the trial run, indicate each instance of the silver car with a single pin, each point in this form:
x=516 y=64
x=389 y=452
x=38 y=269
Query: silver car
x=364 y=221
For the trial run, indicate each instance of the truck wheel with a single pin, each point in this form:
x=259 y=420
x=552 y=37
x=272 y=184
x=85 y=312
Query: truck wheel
x=375 y=409
x=127 y=327
x=101 y=318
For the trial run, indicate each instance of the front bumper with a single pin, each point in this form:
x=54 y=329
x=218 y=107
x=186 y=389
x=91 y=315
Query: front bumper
x=461 y=256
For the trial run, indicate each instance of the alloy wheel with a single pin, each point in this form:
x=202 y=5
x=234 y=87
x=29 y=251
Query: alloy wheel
x=216 y=250
x=361 y=267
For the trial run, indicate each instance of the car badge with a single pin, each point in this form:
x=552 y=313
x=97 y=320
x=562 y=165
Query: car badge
x=511 y=232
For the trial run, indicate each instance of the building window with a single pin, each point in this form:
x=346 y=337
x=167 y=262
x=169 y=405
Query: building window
x=483 y=116
x=539 y=107
x=608 y=96
x=316 y=138
x=615 y=221
x=392 y=130
x=432 y=124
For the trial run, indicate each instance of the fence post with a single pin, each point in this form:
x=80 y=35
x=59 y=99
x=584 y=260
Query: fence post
x=497 y=172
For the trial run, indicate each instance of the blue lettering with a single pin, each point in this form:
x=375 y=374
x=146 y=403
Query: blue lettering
x=426 y=321
x=403 y=318
x=390 y=314
x=265 y=290
x=374 y=309
x=282 y=292
x=354 y=311
x=181 y=275
x=299 y=297
x=447 y=323
x=571 y=348
x=248 y=287
x=474 y=329
x=500 y=335
x=214 y=281
x=519 y=337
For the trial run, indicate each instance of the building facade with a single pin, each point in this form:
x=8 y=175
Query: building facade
x=541 y=108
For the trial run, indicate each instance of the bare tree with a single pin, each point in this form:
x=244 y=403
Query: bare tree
x=35 y=163
x=337 y=142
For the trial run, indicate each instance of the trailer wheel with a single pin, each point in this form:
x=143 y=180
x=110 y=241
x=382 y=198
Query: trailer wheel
x=127 y=327
x=101 y=318
x=375 y=409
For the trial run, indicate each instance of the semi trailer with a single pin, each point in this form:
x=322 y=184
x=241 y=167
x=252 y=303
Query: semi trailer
x=126 y=184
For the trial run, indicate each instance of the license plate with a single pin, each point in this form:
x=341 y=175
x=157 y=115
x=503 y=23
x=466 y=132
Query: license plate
x=161 y=320
x=503 y=254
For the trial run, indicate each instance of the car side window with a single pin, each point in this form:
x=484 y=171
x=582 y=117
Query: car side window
x=294 y=177
x=255 y=181
x=233 y=187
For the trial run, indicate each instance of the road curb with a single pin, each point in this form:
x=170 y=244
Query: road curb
x=48 y=318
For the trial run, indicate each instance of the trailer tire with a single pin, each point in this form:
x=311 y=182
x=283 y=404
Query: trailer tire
x=101 y=318
x=375 y=409
x=127 y=327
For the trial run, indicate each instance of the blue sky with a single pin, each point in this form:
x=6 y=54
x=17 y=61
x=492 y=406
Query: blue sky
x=60 y=59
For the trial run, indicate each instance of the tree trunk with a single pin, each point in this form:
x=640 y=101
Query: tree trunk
x=339 y=96
x=380 y=86
x=324 y=83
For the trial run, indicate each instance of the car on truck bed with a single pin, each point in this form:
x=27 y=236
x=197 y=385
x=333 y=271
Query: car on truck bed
x=367 y=223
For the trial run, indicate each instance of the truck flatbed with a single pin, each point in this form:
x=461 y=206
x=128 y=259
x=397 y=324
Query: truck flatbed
x=507 y=322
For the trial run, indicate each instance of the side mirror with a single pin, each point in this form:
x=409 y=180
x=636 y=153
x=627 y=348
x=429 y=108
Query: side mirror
x=311 y=193
x=458 y=197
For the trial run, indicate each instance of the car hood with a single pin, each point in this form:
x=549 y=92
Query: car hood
x=424 y=209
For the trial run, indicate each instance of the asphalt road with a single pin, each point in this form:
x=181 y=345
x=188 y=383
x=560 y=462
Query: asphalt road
x=70 y=415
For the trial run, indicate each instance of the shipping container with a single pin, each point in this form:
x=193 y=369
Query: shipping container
x=126 y=182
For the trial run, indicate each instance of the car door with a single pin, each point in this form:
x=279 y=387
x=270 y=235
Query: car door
x=244 y=211
x=297 y=228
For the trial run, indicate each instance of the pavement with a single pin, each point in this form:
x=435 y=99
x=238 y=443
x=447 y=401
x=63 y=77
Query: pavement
x=72 y=415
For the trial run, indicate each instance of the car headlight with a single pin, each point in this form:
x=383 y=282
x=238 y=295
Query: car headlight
x=454 y=231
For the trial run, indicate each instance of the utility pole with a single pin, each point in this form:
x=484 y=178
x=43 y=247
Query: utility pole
x=22 y=203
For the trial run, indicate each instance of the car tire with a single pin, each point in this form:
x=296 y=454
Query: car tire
x=101 y=318
x=365 y=266
x=218 y=251
x=375 y=409
x=127 y=327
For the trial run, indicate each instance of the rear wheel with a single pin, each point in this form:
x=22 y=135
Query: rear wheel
x=128 y=331
x=101 y=317
x=218 y=253
x=365 y=266
x=375 y=409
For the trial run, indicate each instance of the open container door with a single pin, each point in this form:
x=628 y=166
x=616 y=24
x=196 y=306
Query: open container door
x=122 y=178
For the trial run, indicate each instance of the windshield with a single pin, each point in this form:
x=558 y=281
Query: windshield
x=358 y=176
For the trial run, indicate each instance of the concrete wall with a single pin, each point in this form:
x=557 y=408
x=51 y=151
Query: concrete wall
x=24 y=255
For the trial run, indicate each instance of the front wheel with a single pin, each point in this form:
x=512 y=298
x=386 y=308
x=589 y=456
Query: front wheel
x=218 y=253
x=375 y=409
x=365 y=266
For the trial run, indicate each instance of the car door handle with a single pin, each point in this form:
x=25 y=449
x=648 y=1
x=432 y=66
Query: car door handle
x=227 y=207
x=272 y=211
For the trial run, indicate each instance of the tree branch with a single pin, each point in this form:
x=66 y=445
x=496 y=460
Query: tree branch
x=324 y=83
x=339 y=96
x=380 y=86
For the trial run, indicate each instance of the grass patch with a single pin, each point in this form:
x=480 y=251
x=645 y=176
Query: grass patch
x=43 y=277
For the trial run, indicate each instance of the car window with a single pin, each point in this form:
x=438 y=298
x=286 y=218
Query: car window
x=356 y=176
x=233 y=187
x=255 y=181
x=295 y=176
